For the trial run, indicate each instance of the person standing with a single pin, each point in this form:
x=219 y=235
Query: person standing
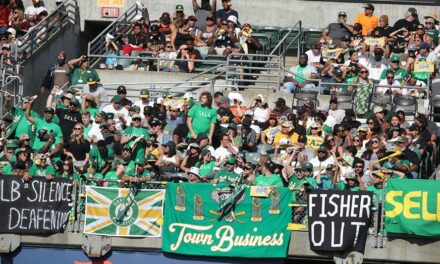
x=58 y=74
x=82 y=73
x=202 y=11
x=202 y=118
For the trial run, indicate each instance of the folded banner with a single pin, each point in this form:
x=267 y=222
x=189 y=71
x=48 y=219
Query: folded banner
x=209 y=220
x=413 y=207
x=120 y=212
x=339 y=220
x=35 y=207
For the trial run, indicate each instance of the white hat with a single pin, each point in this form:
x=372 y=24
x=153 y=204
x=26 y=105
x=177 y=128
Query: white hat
x=237 y=96
x=262 y=98
x=109 y=37
x=159 y=100
x=194 y=170
x=377 y=109
x=188 y=95
x=12 y=31
x=232 y=18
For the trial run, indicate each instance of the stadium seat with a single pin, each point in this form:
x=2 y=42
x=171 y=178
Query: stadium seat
x=303 y=96
x=345 y=100
x=408 y=104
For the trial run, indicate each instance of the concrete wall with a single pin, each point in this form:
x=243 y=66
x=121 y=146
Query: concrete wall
x=275 y=13
x=35 y=69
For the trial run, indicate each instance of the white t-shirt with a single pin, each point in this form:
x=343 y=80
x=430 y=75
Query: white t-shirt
x=34 y=11
x=121 y=111
x=221 y=153
x=321 y=165
x=383 y=90
x=338 y=114
x=312 y=58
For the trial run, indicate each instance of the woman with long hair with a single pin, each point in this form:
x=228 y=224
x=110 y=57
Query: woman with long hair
x=78 y=147
x=272 y=129
x=18 y=21
x=374 y=127
x=362 y=89
x=67 y=170
x=375 y=149
x=261 y=111
x=182 y=66
x=330 y=143
x=168 y=160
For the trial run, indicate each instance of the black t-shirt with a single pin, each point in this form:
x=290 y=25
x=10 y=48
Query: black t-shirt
x=78 y=149
x=125 y=102
x=301 y=131
x=411 y=156
x=182 y=131
x=222 y=111
x=420 y=143
x=156 y=40
x=379 y=32
x=68 y=120
x=192 y=161
x=223 y=15
x=403 y=23
x=136 y=40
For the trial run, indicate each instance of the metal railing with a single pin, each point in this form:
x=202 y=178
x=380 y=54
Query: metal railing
x=66 y=13
x=120 y=27
x=285 y=43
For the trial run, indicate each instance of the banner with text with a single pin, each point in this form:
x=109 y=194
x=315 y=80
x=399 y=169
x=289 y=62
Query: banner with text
x=339 y=220
x=413 y=207
x=254 y=227
x=35 y=207
x=123 y=212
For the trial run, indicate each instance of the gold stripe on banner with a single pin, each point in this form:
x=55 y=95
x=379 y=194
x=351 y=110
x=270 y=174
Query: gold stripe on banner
x=151 y=198
x=99 y=198
x=97 y=211
x=151 y=213
x=96 y=227
x=122 y=230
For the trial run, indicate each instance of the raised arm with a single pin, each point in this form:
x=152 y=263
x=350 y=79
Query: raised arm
x=28 y=111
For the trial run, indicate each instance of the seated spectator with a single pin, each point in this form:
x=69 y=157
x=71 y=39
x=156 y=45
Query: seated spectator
x=179 y=12
x=260 y=110
x=268 y=176
x=183 y=64
x=227 y=148
x=297 y=80
x=168 y=160
x=421 y=37
x=399 y=40
x=191 y=158
x=42 y=168
x=155 y=38
x=249 y=43
x=385 y=86
x=18 y=22
x=367 y=19
x=286 y=136
x=268 y=135
x=399 y=73
x=204 y=38
x=280 y=108
x=336 y=31
x=352 y=182
x=383 y=29
x=33 y=10
x=227 y=175
x=322 y=161
x=223 y=38
x=181 y=36
x=111 y=52
x=135 y=42
x=430 y=27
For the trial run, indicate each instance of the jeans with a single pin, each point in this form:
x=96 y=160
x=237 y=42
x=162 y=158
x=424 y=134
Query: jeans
x=289 y=87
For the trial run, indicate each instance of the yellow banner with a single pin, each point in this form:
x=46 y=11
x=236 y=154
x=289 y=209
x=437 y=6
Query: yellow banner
x=331 y=53
x=424 y=66
x=375 y=41
x=111 y=3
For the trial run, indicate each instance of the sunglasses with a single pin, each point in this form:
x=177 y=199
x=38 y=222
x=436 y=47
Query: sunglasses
x=359 y=166
x=173 y=111
x=374 y=141
x=371 y=123
x=77 y=128
x=420 y=28
x=224 y=24
x=330 y=139
x=314 y=128
x=185 y=49
x=357 y=140
x=390 y=77
x=66 y=163
x=210 y=18
x=363 y=72
x=117 y=102
x=322 y=152
x=5 y=48
x=168 y=47
x=137 y=119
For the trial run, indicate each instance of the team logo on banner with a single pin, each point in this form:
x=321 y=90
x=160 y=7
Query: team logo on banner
x=118 y=212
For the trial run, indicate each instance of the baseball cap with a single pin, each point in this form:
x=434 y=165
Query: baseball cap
x=121 y=89
x=231 y=160
x=135 y=108
x=169 y=144
x=151 y=157
x=91 y=81
x=395 y=57
x=179 y=8
x=156 y=122
x=425 y=45
x=412 y=47
x=49 y=110
x=145 y=93
x=377 y=109
x=323 y=148
x=136 y=116
x=402 y=139
x=19 y=150
x=12 y=31
x=369 y=7
x=67 y=95
x=379 y=175
x=194 y=145
x=116 y=99
x=342 y=13
x=225 y=100
x=201 y=136
x=307 y=166
x=414 y=127
x=11 y=143
x=238 y=45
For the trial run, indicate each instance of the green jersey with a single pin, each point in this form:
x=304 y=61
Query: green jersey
x=41 y=123
x=101 y=159
x=379 y=193
x=399 y=75
x=225 y=176
x=272 y=180
x=343 y=186
x=206 y=168
x=111 y=175
x=42 y=171
x=81 y=76
x=20 y=125
x=7 y=169
x=202 y=118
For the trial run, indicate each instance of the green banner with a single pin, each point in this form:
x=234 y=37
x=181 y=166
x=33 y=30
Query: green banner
x=120 y=212
x=254 y=228
x=413 y=207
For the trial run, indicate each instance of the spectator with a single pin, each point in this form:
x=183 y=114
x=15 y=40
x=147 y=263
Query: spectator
x=97 y=91
x=33 y=10
x=191 y=158
x=83 y=73
x=57 y=74
x=227 y=175
x=120 y=113
x=183 y=64
x=336 y=31
x=18 y=22
x=268 y=176
x=399 y=73
x=226 y=12
x=407 y=22
x=203 y=11
x=181 y=36
x=385 y=86
x=111 y=52
x=165 y=24
x=155 y=38
x=135 y=42
x=281 y=109
x=430 y=27
x=298 y=77
x=42 y=168
x=376 y=63
x=202 y=118
x=168 y=161
x=362 y=91
x=367 y=20
x=77 y=147
x=204 y=38
x=420 y=37
x=383 y=29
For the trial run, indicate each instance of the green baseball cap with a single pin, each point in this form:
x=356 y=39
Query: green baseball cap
x=402 y=139
x=151 y=158
x=307 y=166
x=136 y=116
x=116 y=99
x=12 y=143
x=74 y=101
x=231 y=160
x=395 y=57
x=145 y=93
x=19 y=150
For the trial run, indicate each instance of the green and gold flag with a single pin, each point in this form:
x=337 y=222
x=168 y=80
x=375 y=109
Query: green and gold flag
x=413 y=207
x=215 y=220
x=142 y=214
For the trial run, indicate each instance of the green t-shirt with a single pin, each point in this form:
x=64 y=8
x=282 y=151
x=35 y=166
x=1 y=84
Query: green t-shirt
x=111 y=175
x=75 y=176
x=272 y=180
x=206 y=168
x=80 y=76
x=20 y=125
x=202 y=118
x=135 y=132
x=433 y=33
x=42 y=171
x=399 y=75
x=40 y=123
x=101 y=159
x=379 y=193
x=225 y=176
x=7 y=169
x=93 y=111
x=343 y=186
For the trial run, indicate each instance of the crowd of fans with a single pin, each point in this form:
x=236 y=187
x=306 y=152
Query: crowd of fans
x=220 y=138
x=180 y=36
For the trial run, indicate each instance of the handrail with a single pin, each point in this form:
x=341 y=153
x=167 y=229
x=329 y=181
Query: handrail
x=36 y=37
x=96 y=43
x=298 y=24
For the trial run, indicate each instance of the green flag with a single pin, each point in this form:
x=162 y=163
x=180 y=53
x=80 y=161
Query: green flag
x=253 y=228
x=413 y=207
x=142 y=218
